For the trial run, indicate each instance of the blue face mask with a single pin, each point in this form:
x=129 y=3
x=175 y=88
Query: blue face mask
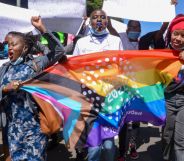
x=4 y=53
x=133 y=35
x=18 y=61
x=97 y=33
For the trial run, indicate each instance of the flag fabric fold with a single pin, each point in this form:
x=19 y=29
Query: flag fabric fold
x=96 y=93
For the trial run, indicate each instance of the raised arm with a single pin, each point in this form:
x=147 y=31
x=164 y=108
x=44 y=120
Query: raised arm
x=174 y=2
x=111 y=29
x=36 y=21
x=56 y=48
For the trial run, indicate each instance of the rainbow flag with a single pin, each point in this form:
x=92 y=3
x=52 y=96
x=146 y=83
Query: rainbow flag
x=96 y=93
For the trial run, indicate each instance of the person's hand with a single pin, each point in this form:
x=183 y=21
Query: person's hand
x=181 y=55
x=84 y=25
x=174 y=2
x=109 y=24
x=159 y=34
x=63 y=59
x=38 y=24
x=84 y=18
x=111 y=29
x=12 y=86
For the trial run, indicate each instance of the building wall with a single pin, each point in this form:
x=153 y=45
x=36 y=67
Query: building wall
x=24 y=3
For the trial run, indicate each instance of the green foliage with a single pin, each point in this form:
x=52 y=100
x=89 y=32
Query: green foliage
x=93 y=5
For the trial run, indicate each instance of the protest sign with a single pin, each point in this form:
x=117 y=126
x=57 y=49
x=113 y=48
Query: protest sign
x=60 y=15
x=15 y=19
x=142 y=10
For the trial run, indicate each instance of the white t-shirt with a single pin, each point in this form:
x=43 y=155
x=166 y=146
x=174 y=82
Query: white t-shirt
x=127 y=45
x=90 y=44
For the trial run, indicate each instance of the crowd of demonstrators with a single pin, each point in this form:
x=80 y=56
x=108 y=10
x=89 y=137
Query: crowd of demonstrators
x=25 y=138
x=99 y=40
x=173 y=132
x=22 y=134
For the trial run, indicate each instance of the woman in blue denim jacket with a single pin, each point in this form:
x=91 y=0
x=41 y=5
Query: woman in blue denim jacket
x=25 y=139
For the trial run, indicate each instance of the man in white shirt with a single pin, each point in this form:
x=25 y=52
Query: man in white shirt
x=96 y=42
x=99 y=40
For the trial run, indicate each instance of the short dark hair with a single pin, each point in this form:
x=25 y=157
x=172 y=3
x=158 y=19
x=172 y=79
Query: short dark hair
x=130 y=21
x=97 y=10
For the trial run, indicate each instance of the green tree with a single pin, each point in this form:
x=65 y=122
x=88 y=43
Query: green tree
x=93 y=5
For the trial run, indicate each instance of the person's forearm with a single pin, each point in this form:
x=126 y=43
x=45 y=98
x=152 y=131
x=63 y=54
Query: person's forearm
x=164 y=27
x=53 y=42
x=174 y=2
x=112 y=31
x=56 y=48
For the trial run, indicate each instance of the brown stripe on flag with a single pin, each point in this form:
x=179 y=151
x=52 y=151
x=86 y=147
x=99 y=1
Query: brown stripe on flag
x=87 y=113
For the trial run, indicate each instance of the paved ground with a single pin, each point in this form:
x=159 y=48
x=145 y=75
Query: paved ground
x=149 y=147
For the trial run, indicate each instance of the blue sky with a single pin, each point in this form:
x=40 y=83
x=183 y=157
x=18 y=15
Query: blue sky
x=151 y=26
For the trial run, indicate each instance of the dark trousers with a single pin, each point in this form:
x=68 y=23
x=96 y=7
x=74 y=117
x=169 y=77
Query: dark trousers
x=123 y=137
x=173 y=132
x=122 y=140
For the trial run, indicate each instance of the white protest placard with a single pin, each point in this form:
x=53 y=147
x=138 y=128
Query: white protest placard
x=15 y=19
x=119 y=26
x=60 y=15
x=142 y=10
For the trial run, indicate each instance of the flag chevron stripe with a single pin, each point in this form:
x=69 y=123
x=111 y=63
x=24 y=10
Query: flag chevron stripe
x=54 y=97
x=69 y=124
x=63 y=92
x=55 y=79
x=73 y=128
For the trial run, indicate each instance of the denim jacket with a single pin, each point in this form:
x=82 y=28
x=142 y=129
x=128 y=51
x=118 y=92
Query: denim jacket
x=56 y=52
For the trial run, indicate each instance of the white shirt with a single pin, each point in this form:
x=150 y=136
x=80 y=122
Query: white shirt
x=90 y=44
x=127 y=44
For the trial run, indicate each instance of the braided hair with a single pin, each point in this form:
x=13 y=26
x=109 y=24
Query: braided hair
x=28 y=40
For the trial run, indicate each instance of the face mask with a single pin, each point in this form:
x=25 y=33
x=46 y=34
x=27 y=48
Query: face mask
x=4 y=53
x=96 y=33
x=133 y=35
x=18 y=61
